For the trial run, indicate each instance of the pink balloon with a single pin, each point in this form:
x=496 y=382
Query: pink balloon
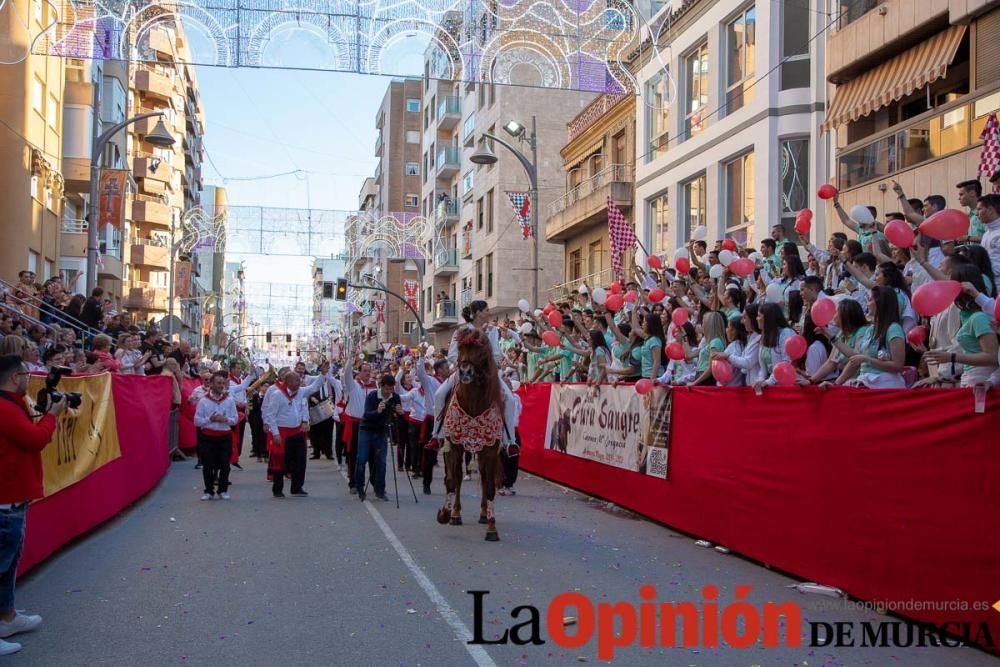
x=946 y=225
x=796 y=346
x=729 y=244
x=616 y=287
x=827 y=191
x=656 y=295
x=631 y=296
x=551 y=338
x=675 y=351
x=614 y=303
x=679 y=316
x=917 y=335
x=644 y=386
x=654 y=262
x=682 y=264
x=934 y=297
x=742 y=267
x=823 y=312
x=899 y=234
x=555 y=318
x=784 y=373
x=722 y=371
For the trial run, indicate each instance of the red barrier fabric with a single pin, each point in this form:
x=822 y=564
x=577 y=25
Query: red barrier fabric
x=889 y=495
x=142 y=413
x=188 y=438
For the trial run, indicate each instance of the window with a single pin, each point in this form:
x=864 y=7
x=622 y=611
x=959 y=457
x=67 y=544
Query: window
x=739 y=192
x=696 y=91
x=413 y=104
x=619 y=149
x=489 y=212
x=468 y=180
x=794 y=71
x=469 y=126
x=741 y=59
x=38 y=95
x=409 y=326
x=425 y=166
x=52 y=113
x=39 y=10
x=433 y=107
x=659 y=92
x=428 y=299
x=34 y=186
x=48 y=269
x=49 y=199
x=659 y=223
x=693 y=205
x=33 y=261
x=412 y=168
x=575 y=265
x=413 y=136
x=794 y=178
x=489 y=275
x=493 y=93
x=595 y=252
x=482 y=96
x=479 y=275
x=479 y=213
x=427 y=118
x=411 y=201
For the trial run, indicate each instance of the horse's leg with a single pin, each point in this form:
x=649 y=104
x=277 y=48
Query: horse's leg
x=455 y=470
x=489 y=461
x=444 y=514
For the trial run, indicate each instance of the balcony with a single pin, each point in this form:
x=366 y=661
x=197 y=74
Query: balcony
x=143 y=297
x=162 y=42
x=378 y=145
x=446 y=212
x=150 y=210
x=378 y=172
x=148 y=254
x=587 y=204
x=445 y=313
x=449 y=161
x=591 y=114
x=110 y=265
x=154 y=84
x=449 y=112
x=446 y=262
x=571 y=287
x=143 y=167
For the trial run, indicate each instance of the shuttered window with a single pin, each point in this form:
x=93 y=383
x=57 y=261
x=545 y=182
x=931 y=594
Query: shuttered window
x=987 y=58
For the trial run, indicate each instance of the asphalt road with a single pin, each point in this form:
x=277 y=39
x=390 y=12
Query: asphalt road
x=327 y=580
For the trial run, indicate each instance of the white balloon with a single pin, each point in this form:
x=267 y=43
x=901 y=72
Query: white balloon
x=525 y=328
x=681 y=252
x=538 y=312
x=583 y=289
x=716 y=271
x=756 y=256
x=726 y=257
x=599 y=296
x=523 y=305
x=774 y=293
x=700 y=233
x=861 y=215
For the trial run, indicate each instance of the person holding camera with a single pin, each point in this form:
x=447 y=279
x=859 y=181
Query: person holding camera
x=22 y=440
x=381 y=406
x=215 y=417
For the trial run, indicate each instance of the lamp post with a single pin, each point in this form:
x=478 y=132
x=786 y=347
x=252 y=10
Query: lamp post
x=158 y=137
x=485 y=155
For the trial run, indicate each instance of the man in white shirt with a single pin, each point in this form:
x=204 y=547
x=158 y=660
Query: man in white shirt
x=286 y=419
x=238 y=390
x=197 y=394
x=988 y=210
x=214 y=417
x=322 y=413
x=429 y=385
x=355 y=391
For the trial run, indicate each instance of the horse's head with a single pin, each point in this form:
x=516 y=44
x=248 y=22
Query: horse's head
x=475 y=357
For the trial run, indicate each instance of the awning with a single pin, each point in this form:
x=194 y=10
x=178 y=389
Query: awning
x=894 y=79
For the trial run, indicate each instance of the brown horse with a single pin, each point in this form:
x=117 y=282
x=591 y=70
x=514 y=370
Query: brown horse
x=473 y=422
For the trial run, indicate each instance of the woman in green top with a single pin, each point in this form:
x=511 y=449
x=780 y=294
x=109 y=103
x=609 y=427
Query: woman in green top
x=600 y=358
x=976 y=336
x=714 y=338
x=622 y=348
x=854 y=329
x=651 y=331
x=883 y=352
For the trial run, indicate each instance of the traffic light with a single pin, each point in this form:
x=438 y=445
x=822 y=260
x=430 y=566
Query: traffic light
x=341 y=294
x=327 y=290
x=268 y=336
x=288 y=338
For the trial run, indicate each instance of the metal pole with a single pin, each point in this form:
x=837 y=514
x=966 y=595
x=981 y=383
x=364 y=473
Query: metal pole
x=533 y=176
x=172 y=275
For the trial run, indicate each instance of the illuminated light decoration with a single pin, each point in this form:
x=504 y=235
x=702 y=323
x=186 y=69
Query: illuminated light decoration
x=200 y=231
x=572 y=44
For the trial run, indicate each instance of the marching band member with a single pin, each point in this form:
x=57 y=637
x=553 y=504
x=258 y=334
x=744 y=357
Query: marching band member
x=215 y=417
x=286 y=418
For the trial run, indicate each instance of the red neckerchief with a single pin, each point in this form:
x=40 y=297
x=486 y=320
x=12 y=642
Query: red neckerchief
x=284 y=390
x=233 y=377
x=421 y=391
x=219 y=400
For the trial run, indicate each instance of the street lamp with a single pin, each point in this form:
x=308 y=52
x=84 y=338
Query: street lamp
x=158 y=137
x=485 y=155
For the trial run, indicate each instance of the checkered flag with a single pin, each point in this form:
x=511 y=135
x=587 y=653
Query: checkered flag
x=989 y=163
x=622 y=236
x=522 y=209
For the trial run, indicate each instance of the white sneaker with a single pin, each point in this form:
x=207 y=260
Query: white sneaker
x=20 y=623
x=7 y=648
x=206 y=496
x=467 y=477
x=225 y=496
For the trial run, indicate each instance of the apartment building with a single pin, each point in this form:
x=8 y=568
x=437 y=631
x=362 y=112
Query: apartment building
x=474 y=242
x=922 y=130
x=31 y=168
x=727 y=122
x=598 y=162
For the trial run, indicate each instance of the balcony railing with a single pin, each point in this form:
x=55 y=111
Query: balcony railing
x=74 y=226
x=446 y=209
x=591 y=114
x=449 y=159
x=572 y=287
x=445 y=310
x=952 y=129
x=616 y=173
x=851 y=10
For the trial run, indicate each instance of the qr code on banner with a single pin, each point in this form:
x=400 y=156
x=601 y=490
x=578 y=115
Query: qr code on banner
x=656 y=462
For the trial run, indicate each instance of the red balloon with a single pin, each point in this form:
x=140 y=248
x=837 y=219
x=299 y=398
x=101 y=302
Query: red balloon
x=934 y=297
x=729 y=244
x=722 y=371
x=682 y=264
x=548 y=309
x=804 y=214
x=742 y=267
x=823 y=311
x=551 y=338
x=899 y=234
x=644 y=386
x=654 y=262
x=656 y=295
x=827 y=191
x=946 y=225
x=679 y=316
x=675 y=351
x=784 y=373
x=796 y=346
x=803 y=225
x=614 y=302
x=996 y=311
x=916 y=335
x=616 y=287
x=631 y=296
x=555 y=318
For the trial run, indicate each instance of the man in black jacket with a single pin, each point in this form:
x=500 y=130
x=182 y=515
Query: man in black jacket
x=93 y=309
x=373 y=436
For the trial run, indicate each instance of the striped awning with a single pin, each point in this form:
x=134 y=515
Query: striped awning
x=895 y=78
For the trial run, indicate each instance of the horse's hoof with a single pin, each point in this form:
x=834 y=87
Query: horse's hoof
x=443 y=516
x=456 y=521
x=492 y=536
x=483 y=520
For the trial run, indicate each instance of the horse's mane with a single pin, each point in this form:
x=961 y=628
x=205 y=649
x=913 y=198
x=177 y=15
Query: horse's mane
x=474 y=348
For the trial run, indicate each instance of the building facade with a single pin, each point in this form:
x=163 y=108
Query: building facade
x=727 y=122
x=924 y=130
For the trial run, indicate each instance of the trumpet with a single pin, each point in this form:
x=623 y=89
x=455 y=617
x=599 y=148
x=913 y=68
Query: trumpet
x=269 y=376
